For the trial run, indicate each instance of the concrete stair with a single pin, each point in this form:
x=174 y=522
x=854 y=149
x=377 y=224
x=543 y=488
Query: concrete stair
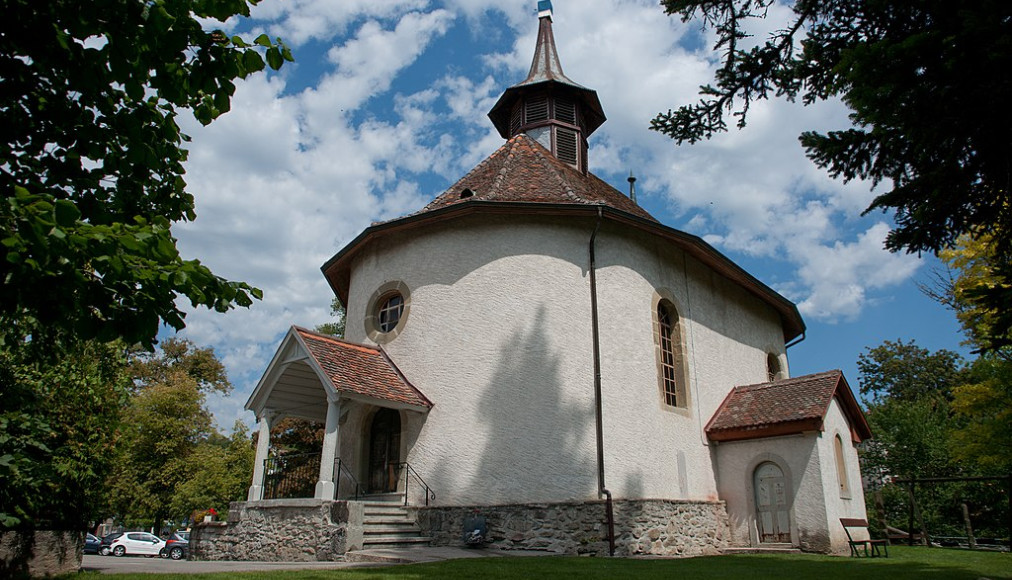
x=386 y=524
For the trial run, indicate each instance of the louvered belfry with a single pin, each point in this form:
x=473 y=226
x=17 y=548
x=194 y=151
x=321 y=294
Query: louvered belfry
x=548 y=106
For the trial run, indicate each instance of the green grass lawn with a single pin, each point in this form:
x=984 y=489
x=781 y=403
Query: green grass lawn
x=903 y=563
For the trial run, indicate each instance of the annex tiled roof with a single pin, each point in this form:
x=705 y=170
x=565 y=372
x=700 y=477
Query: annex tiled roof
x=785 y=407
x=361 y=370
x=524 y=171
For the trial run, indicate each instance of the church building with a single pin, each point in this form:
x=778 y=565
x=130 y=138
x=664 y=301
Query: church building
x=535 y=349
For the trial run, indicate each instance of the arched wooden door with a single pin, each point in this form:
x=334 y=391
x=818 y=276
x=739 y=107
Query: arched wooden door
x=772 y=510
x=384 y=451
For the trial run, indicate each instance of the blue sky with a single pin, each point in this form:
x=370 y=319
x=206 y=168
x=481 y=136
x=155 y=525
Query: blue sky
x=386 y=105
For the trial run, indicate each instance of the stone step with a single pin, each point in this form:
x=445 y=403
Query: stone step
x=373 y=531
x=386 y=511
x=392 y=497
x=376 y=542
x=388 y=521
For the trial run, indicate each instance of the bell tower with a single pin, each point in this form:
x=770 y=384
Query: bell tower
x=548 y=106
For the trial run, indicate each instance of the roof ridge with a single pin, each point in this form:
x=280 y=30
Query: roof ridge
x=557 y=170
x=336 y=340
x=790 y=380
x=509 y=153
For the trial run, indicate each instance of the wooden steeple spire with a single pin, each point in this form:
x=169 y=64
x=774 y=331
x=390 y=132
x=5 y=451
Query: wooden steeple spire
x=548 y=106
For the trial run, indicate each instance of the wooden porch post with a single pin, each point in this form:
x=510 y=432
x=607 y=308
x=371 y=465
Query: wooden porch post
x=325 y=487
x=256 y=490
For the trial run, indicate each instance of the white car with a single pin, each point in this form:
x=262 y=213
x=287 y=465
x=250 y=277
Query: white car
x=137 y=543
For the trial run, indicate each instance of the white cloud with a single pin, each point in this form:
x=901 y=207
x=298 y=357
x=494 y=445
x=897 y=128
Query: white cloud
x=840 y=275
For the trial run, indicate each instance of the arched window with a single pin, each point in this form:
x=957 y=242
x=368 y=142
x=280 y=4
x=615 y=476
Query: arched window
x=841 y=467
x=772 y=368
x=672 y=363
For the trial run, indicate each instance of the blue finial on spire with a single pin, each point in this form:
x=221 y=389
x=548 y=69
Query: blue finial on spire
x=544 y=8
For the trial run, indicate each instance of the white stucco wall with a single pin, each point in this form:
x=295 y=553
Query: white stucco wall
x=798 y=457
x=839 y=504
x=498 y=336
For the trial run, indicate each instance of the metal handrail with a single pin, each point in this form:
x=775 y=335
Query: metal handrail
x=408 y=470
x=339 y=468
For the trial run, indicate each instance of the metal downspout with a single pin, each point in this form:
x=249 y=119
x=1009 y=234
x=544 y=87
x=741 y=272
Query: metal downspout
x=595 y=330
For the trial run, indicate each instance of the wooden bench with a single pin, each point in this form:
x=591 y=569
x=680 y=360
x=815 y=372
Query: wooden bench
x=855 y=545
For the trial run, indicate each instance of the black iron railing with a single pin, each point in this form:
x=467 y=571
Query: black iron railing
x=410 y=473
x=342 y=472
x=291 y=476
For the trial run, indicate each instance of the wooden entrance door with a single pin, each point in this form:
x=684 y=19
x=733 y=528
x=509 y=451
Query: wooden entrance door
x=384 y=451
x=772 y=510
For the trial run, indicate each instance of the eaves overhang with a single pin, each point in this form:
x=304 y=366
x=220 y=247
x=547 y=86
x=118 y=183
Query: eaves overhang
x=337 y=270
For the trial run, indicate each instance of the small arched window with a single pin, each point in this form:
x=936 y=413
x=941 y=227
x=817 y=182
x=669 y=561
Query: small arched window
x=772 y=367
x=841 y=467
x=672 y=363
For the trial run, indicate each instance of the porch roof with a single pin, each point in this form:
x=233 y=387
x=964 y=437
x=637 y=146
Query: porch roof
x=309 y=368
x=786 y=407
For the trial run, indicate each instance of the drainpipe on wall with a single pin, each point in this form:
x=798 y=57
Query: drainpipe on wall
x=602 y=491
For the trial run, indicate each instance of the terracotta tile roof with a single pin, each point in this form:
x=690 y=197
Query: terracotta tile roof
x=362 y=370
x=524 y=171
x=785 y=407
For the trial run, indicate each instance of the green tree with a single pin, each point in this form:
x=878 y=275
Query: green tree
x=164 y=424
x=57 y=426
x=970 y=273
x=218 y=472
x=984 y=405
x=294 y=436
x=335 y=328
x=906 y=372
x=984 y=401
x=927 y=87
x=91 y=167
x=908 y=391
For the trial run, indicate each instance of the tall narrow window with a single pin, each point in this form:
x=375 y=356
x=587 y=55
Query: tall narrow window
x=669 y=341
x=841 y=467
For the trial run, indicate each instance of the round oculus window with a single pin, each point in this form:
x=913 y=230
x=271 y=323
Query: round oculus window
x=389 y=312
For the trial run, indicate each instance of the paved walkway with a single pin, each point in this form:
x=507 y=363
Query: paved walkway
x=364 y=558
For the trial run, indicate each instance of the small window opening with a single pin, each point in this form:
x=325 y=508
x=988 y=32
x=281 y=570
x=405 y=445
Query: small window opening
x=389 y=313
x=841 y=467
x=466 y=193
x=772 y=368
x=567 y=145
x=537 y=110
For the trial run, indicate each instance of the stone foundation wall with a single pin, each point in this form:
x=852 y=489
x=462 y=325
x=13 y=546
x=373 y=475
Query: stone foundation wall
x=40 y=553
x=292 y=530
x=656 y=527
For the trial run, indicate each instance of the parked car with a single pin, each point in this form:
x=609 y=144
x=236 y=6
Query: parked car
x=105 y=549
x=137 y=543
x=91 y=544
x=176 y=546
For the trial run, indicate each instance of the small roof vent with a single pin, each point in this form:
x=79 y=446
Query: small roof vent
x=466 y=193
